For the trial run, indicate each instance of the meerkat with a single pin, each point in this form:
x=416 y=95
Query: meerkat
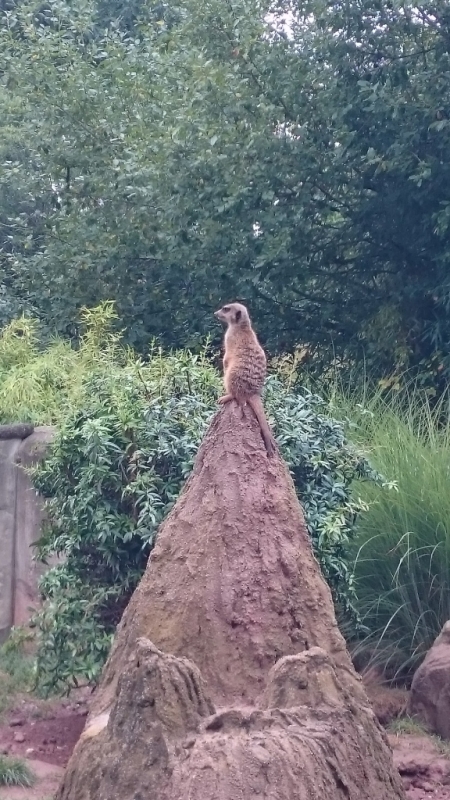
x=244 y=366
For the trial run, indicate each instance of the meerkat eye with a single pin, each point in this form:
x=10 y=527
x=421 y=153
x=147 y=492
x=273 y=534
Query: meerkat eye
x=226 y=309
x=238 y=315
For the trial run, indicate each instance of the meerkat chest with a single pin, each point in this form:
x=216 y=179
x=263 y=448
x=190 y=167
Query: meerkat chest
x=244 y=364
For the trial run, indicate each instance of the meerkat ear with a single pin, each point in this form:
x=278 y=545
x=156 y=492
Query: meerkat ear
x=238 y=315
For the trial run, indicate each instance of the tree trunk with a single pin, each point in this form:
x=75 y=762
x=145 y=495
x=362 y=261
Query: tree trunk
x=229 y=678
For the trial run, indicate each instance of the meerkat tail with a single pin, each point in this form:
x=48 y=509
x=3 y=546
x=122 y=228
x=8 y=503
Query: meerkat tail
x=256 y=404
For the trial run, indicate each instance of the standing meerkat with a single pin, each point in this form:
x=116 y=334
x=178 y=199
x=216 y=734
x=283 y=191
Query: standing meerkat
x=244 y=366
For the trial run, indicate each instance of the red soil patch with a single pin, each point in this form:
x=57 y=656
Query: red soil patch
x=424 y=769
x=423 y=762
x=47 y=733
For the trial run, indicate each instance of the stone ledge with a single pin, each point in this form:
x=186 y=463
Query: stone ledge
x=19 y=430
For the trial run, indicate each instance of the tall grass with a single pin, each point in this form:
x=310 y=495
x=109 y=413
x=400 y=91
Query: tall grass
x=402 y=549
x=15 y=772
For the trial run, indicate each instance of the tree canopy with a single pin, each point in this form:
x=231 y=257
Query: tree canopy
x=289 y=155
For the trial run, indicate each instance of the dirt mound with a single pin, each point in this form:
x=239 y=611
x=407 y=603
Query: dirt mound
x=304 y=739
x=245 y=687
x=232 y=582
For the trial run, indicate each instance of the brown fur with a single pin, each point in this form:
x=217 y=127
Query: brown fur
x=244 y=366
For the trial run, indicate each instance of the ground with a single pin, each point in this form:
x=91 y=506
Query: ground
x=424 y=764
x=44 y=733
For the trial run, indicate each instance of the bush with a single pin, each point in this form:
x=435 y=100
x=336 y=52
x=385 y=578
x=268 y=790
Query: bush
x=115 y=470
x=402 y=547
x=128 y=432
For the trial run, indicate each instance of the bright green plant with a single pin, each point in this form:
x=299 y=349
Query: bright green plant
x=39 y=383
x=128 y=432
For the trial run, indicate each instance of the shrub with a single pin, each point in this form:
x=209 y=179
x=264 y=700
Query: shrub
x=115 y=470
x=128 y=433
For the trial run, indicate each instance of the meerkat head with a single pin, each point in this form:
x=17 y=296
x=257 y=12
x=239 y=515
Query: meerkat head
x=233 y=314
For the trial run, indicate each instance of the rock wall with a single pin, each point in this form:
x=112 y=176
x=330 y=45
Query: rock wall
x=21 y=514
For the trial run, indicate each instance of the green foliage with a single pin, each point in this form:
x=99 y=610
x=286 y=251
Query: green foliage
x=402 y=547
x=15 y=772
x=324 y=467
x=407 y=725
x=117 y=465
x=38 y=383
x=128 y=432
x=412 y=727
x=189 y=155
x=16 y=670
